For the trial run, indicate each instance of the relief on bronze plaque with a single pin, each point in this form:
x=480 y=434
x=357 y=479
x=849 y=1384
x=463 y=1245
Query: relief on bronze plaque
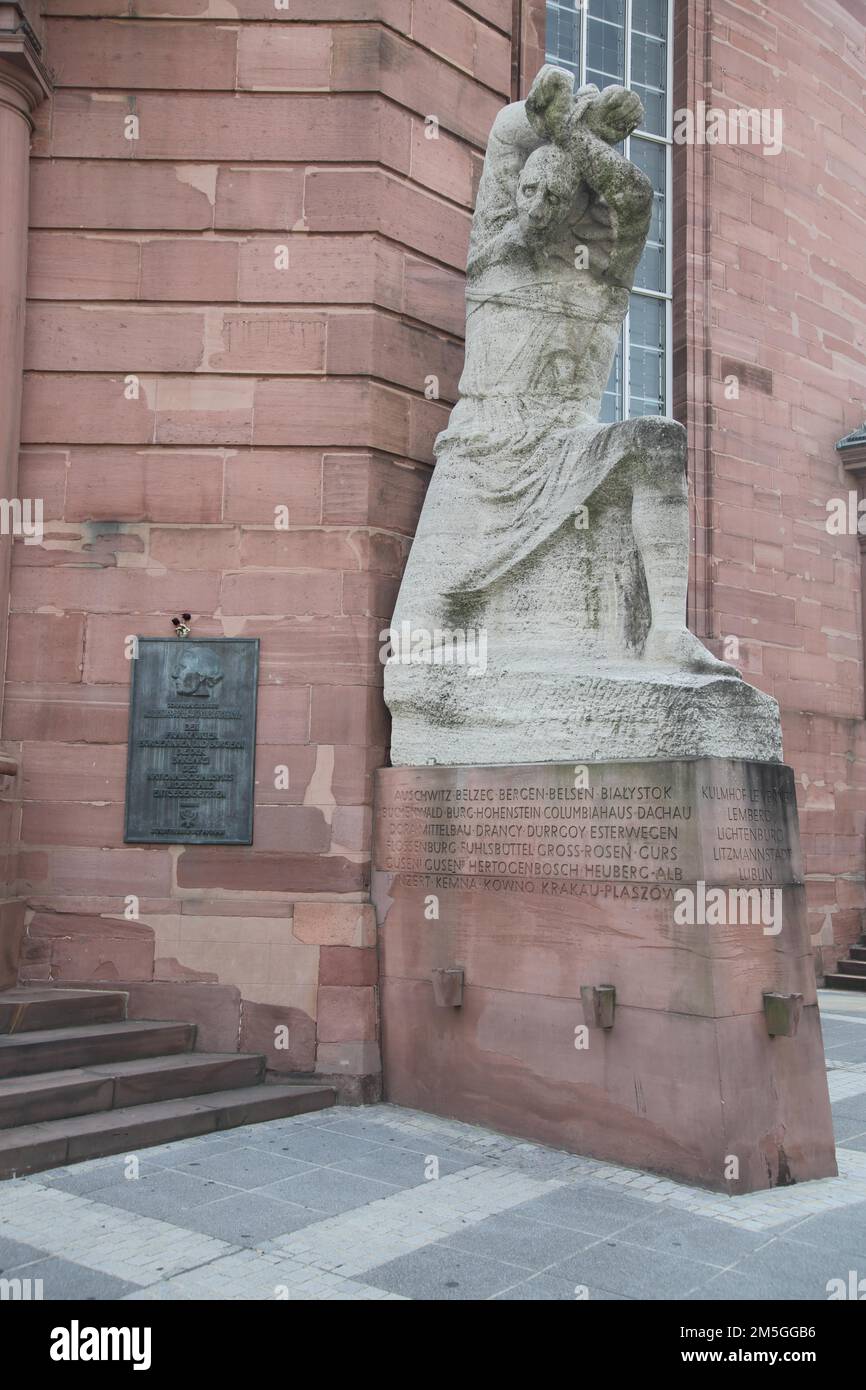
x=192 y=741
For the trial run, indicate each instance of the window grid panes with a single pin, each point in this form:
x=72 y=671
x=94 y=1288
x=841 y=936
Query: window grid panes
x=563 y=34
x=627 y=42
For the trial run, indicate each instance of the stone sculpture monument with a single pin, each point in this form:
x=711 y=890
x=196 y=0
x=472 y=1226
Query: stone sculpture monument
x=564 y=540
x=591 y=906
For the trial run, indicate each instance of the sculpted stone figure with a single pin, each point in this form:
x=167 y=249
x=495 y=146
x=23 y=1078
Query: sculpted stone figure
x=557 y=545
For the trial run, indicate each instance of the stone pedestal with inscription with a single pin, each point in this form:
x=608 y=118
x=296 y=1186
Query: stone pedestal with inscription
x=677 y=883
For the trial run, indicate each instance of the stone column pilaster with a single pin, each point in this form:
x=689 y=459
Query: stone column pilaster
x=23 y=85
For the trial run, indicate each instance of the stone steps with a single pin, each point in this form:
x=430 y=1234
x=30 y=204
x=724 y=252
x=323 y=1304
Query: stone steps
x=59 y=1049
x=31 y=1148
x=79 y=1080
x=56 y=1095
x=851 y=971
x=26 y=1010
x=856 y=982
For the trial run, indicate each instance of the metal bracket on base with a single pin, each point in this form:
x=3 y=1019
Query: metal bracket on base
x=782 y=1012
x=599 y=1005
x=448 y=987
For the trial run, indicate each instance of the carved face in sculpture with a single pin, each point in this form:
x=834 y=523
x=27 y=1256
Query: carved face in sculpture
x=545 y=192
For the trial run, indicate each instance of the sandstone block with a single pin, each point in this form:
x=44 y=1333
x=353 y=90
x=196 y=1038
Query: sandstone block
x=335 y=924
x=347 y=1013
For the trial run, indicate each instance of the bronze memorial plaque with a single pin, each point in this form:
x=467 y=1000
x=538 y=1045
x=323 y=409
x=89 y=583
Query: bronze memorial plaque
x=192 y=741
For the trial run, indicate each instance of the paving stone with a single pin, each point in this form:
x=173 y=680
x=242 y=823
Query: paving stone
x=548 y=1163
x=629 y=1270
x=246 y=1168
x=835 y=1029
x=14 y=1253
x=835 y=1230
x=851 y=1050
x=247 y=1218
x=733 y=1286
x=329 y=1190
x=402 y=1166
x=440 y=1272
x=167 y=1195
x=202 y=1146
x=696 y=1237
x=316 y=1202
x=792 y=1269
x=375 y=1133
x=547 y=1288
x=595 y=1209
x=116 y=1242
x=846 y=1128
x=63 y=1279
x=85 y=1178
x=515 y=1240
x=319 y=1147
x=851 y=1107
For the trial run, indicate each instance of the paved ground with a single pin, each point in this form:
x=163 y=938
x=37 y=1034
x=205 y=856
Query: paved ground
x=341 y=1204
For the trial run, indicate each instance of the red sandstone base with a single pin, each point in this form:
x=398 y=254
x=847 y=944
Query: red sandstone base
x=11 y=937
x=680 y=885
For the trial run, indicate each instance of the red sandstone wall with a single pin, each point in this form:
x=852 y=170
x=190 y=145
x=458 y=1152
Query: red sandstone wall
x=305 y=388
x=787 y=298
x=258 y=388
x=22 y=86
